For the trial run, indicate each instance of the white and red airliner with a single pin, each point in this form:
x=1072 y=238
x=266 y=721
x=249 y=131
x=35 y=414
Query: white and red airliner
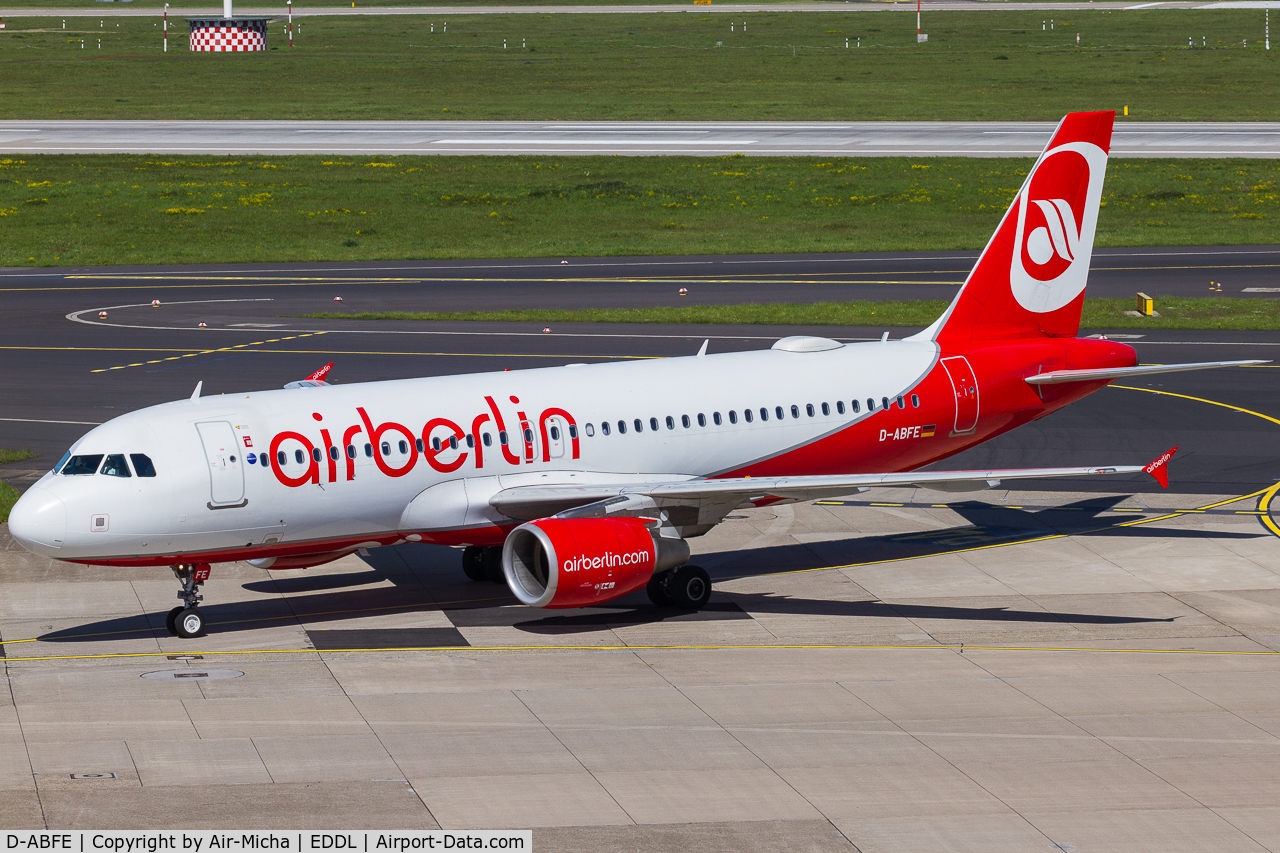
x=582 y=483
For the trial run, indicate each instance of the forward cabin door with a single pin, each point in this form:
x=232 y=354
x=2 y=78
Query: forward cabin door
x=965 y=388
x=226 y=467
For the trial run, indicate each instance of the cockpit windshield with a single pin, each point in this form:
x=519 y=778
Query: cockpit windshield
x=114 y=466
x=87 y=464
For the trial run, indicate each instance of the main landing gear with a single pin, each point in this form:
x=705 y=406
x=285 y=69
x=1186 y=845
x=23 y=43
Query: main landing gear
x=483 y=564
x=687 y=587
x=187 y=621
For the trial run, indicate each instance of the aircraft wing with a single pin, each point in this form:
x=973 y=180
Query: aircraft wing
x=530 y=502
x=1055 y=377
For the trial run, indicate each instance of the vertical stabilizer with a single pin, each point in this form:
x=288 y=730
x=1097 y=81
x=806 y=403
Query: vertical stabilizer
x=1030 y=279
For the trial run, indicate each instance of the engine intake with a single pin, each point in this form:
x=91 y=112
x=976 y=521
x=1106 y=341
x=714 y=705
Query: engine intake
x=576 y=562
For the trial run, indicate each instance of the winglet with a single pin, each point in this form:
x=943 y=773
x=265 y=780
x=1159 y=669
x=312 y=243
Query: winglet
x=321 y=373
x=1159 y=469
x=703 y=350
x=195 y=395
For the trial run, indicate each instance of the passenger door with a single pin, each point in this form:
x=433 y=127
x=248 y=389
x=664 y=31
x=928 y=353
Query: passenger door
x=226 y=467
x=965 y=388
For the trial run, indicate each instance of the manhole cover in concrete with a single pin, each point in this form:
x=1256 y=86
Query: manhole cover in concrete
x=179 y=674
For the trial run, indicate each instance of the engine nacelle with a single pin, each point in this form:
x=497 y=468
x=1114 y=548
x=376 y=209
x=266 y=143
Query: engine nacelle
x=576 y=562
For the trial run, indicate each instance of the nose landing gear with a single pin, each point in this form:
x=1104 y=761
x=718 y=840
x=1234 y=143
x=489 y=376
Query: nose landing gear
x=187 y=621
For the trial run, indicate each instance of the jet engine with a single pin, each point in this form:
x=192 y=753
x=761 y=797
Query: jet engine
x=577 y=562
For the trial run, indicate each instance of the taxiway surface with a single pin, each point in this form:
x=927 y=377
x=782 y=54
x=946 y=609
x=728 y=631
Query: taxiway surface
x=904 y=670
x=841 y=139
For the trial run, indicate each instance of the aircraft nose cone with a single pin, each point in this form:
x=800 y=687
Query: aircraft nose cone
x=38 y=521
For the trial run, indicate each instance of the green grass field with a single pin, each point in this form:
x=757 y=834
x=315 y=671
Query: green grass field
x=1175 y=313
x=117 y=209
x=976 y=65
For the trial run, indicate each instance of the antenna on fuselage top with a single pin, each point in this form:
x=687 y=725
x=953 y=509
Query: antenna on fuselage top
x=703 y=351
x=195 y=395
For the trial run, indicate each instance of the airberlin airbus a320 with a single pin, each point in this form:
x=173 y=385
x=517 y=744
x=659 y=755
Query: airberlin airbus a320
x=582 y=483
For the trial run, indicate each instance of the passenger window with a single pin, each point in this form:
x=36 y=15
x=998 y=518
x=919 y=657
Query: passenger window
x=368 y=450
x=333 y=453
x=404 y=447
x=315 y=453
x=855 y=405
x=622 y=427
x=87 y=464
x=488 y=441
x=746 y=413
x=702 y=419
x=143 y=468
x=297 y=454
x=871 y=404
x=604 y=427
x=671 y=422
x=115 y=466
x=262 y=458
x=528 y=436
x=826 y=410
x=502 y=437
x=795 y=411
x=684 y=421
x=386 y=448
x=435 y=445
x=808 y=408
x=902 y=404
x=884 y=402
x=839 y=407
x=653 y=424
x=281 y=458
x=764 y=414
x=639 y=425
x=591 y=431
x=915 y=401
x=555 y=433
x=417 y=444
x=778 y=411
x=351 y=451
x=573 y=430
x=715 y=416
x=453 y=442
x=471 y=440
x=733 y=416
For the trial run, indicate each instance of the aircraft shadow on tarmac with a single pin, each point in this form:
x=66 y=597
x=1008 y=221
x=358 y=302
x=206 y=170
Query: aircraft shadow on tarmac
x=430 y=577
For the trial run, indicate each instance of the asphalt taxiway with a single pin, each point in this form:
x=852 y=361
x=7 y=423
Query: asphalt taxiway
x=711 y=138
x=1070 y=667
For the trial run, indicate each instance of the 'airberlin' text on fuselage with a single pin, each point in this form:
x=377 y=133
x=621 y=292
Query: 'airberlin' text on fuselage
x=442 y=442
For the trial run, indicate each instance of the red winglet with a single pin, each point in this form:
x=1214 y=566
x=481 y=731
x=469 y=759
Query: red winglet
x=320 y=374
x=1159 y=470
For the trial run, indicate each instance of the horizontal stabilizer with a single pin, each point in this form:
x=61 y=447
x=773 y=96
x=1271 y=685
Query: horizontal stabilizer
x=1056 y=377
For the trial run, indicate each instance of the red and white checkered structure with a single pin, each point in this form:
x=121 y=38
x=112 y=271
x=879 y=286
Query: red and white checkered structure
x=228 y=34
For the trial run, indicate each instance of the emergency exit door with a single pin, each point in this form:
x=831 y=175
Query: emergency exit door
x=226 y=467
x=965 y=388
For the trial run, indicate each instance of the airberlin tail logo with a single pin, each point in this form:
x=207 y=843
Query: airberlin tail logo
x=1057 y=213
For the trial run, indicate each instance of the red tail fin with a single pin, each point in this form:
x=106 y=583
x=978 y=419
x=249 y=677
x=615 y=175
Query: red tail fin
x=1030 y=279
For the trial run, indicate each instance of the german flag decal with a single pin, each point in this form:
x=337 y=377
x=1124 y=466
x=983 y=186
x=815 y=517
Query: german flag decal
x=927 y=431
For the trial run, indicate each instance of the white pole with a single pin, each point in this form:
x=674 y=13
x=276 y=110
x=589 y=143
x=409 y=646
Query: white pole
x=226 y=8
x=166 y=27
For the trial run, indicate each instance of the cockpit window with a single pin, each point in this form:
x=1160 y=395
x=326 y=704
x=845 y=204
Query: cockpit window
x=142 y=464
x=82 y=464
x=115 y=466
x=62 y=461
